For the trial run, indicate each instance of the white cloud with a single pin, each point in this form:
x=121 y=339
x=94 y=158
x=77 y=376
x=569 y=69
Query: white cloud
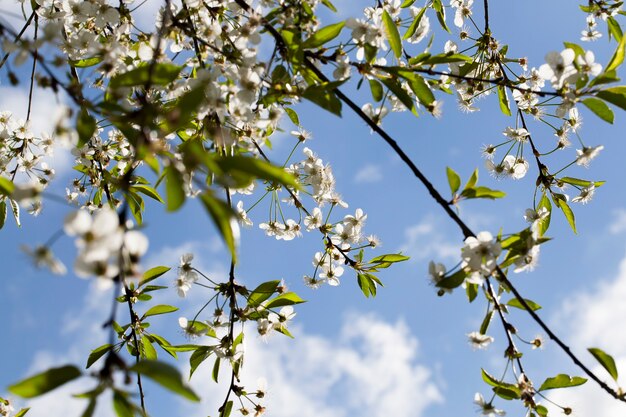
x=370 y=370
x=592 y=319
x=619 y=224
x=368 y=174
x=424 y=241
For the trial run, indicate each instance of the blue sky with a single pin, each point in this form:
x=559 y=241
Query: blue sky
x=403 y=353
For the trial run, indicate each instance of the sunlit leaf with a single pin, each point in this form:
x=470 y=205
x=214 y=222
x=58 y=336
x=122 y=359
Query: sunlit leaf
x=45 y=381
x=165 y=375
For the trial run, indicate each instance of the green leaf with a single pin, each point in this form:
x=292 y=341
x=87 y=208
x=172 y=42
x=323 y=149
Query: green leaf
x=395 y=87
x=224 y=219
x=514 y=302
x=161 y=73
x=486 y=321
x=390 y=257
x=618 y=56
x=562 y=381
x=545 y=223
x=85 y=63
x=160 y=309
x=471 y=290
x=15 y=209
x=575 y=47
x=6 y=186
x=421 y=89
x=482 y=192
x=199 y=356
x=225 y=412
x=415 y=24
x=252 y=168
x=614 y=28
x=581 y=183
x=323 y=97
x=323 y=35
x=614 y=95
x=367 y=285
x=22 y=412
x=472 y=180
x=600 y=109
x=453 y=280
x=152 y=274
x=174 y=189
x=453 y=180
x=392 y=34
x=97 y=353
x=377 y=90
x=85 y=127
x=605 y=360
x=121 y=405
x=441 y=14
x=567 y=211
x=407 y=3
x=506 y=390
x=149 y=352
x=286 y=299
x=328 y=4
x=446 y=59
x=262 y=293
x=293 y=116
x=541 y=410
x=44 y=382
x=147 y=190
x=216 y=369
x=165 y=375
x=504 y=101
x=3 y=213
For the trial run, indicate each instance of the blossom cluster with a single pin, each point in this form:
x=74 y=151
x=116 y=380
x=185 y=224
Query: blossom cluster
x=104 y=249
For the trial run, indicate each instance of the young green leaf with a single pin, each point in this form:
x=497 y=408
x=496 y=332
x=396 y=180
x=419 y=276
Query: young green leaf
x=390 y=257
x=165 y=375
x=514 y=302
x=121 y=405
x=85 y=126
x=377 y=89
x=392 y=34
x=286 y=299
x=6 y=186
x=618 y=56
x=567 y=211
x=45 y=381
x=614 y=95
x=216 y=369
x=152 y=274
x=600 y=109
x=415 y=24
x=562 y=381
x=160 y=73
x=262 y=293
x=453 y=180
x=97 y=353
x=504 y=101
x=323 y=97
x=160 y=309
x=224 y=219
x=199 y=356
x=174 y=189
x=605 y=360
x=323 y=35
